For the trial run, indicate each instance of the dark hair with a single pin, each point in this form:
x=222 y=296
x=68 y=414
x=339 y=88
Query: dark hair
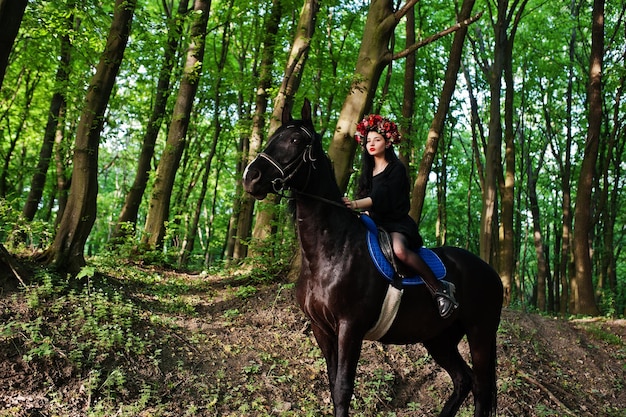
x=364 y=186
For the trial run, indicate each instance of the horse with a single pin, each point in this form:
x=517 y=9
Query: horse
x=341 y=292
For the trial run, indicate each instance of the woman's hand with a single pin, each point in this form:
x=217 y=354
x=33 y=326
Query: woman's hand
x=352 y=205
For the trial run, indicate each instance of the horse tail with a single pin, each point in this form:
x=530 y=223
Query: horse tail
x=493 y=363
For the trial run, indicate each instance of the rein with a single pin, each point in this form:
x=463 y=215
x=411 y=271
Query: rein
x=322 y=199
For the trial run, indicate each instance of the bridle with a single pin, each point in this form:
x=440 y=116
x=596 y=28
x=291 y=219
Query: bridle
x=290 y=170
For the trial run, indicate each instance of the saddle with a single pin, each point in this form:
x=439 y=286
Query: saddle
x=381 y=252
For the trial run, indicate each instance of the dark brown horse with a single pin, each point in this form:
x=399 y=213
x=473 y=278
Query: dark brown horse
x=342 y=293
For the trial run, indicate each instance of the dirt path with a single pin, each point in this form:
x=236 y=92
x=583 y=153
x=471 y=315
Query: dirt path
x=250 y=352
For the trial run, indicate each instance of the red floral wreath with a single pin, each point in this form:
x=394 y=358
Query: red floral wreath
x=379 y=124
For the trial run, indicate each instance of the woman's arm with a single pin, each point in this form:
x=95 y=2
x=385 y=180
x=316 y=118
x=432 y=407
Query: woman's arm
x=360 y=204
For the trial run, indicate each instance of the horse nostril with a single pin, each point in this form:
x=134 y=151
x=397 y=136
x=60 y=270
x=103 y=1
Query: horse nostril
x=250 y=176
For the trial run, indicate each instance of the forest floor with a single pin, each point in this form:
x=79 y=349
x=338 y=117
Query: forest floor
x=224 y=346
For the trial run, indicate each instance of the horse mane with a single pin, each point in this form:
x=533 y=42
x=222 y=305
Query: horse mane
x=322 y=163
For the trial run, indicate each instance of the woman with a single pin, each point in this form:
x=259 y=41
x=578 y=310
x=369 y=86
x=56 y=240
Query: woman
x=383 y=190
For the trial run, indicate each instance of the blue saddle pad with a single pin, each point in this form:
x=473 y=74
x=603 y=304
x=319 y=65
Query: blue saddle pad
x=386 y=269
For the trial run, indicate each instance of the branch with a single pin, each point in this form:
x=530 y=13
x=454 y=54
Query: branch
x=6 y=257
x=400 y=13
x=424 y=42
x=549 y=393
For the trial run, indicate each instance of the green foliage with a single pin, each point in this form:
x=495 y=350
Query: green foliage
x=17 y=232
x=226 y=101
x=89 y=327
x=95 y=324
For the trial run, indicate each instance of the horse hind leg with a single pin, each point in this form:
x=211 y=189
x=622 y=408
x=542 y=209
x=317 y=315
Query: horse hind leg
x=444 y=350
x=483 y=352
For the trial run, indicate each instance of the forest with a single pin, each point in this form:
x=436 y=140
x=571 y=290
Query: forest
x=125 y=127
x=139 y=278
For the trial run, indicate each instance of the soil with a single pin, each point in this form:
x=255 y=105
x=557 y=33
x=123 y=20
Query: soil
x=251 y=352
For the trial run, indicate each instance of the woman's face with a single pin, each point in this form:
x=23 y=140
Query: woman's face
x=375 y=144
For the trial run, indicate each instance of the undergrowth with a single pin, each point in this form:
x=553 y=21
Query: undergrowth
x=81 y=328
x=108 y=328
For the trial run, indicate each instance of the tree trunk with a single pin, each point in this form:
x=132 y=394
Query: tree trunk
x=239 y=201
x=291 y=82
x=67 y=251
x=60 y=162
x=374 y=55
x=617 y=145
x=442 y=192
x=132 y=202
x=192 y=230
x=11 y=13
x=493 y=157
x=582 y=285
x=478 y=149
x=408 y=92
x=507 y=183
x=56 y=104
x=566 y=168
x=436 y=127
x=244 y=220
x=542 y=264
x=158 y=211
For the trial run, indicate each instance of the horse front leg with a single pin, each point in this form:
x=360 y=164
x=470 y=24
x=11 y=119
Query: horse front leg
x=342 y=354
x=327 y=343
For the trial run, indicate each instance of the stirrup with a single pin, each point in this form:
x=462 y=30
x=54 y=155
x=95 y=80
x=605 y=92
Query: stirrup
x=446 y=303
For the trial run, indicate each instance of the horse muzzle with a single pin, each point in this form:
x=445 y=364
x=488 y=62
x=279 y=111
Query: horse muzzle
x=252 y=182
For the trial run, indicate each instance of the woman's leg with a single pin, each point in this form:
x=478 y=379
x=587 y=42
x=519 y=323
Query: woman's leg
x=443 y=291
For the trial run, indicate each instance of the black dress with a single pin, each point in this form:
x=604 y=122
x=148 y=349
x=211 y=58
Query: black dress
x=391 y=203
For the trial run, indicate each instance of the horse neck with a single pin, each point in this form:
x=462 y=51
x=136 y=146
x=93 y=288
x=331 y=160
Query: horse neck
x=319 y=208
x=321 y=184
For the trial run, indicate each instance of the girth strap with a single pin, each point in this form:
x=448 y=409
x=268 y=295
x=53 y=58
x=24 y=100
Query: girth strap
x=388 y=313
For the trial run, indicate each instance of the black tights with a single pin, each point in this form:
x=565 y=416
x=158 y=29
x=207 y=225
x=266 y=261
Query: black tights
x=412 y=260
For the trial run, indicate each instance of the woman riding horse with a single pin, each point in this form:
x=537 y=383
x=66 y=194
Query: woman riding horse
x=342 y=293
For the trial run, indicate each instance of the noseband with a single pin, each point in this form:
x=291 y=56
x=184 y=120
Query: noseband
x=288 y=171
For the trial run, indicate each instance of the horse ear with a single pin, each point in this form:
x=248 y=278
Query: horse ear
x=286 y=116
x=306 y=110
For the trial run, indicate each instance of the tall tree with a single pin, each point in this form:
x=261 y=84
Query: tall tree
x=132 y=202
x=582 y=286
x=192 y=230
x=565 y=167
x=57 y=103
x=11 y=13
x=437 y=125
x=493 y=154
x=538 y=239
x=158 y=211
x=291 y=82
x=67 y=250
x=506 y=255
x=244 y=219
x=374 y=55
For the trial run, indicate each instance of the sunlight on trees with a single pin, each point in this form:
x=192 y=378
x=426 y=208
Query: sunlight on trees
x=502 y=178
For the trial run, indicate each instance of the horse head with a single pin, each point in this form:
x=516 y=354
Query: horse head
x=288 y=158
